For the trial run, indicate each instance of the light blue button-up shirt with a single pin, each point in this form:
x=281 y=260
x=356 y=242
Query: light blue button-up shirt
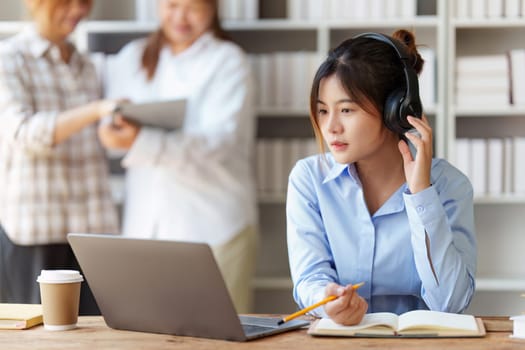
x=333 y=238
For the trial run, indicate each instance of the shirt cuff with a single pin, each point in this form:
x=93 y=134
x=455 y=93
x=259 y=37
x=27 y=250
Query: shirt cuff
x=41 y=131
x=422 y=205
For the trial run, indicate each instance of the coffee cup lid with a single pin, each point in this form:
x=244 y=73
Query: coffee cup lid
x=59 y=276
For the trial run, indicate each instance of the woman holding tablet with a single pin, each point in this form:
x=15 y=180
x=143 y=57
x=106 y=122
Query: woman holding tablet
x=196 y=183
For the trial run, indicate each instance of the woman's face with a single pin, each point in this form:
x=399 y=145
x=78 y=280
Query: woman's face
x=184 y=21
x=58 y=24
x=351 y=133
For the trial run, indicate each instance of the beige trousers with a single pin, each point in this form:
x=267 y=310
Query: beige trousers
x=236 y=259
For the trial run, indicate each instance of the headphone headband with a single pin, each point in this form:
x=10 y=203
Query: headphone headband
x=400 y=103
x=397 y=45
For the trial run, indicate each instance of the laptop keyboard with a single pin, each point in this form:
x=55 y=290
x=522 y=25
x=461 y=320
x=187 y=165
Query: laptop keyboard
x=257 y=325
x=254 y=329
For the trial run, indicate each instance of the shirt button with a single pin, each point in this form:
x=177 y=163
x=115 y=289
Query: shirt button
x=420 y=209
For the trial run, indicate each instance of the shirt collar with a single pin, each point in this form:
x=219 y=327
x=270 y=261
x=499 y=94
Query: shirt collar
x=393 y=205
x=40 y=46
x=337 y=169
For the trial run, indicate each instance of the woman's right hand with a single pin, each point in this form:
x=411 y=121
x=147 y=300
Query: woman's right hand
x=118 y=134
x=349 y=308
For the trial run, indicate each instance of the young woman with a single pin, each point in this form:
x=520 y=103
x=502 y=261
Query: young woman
x=53 y=178
x=193 y=184
x=369 y=210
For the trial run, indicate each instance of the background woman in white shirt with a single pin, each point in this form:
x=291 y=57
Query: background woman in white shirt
x=193 y=184
x=53 y=173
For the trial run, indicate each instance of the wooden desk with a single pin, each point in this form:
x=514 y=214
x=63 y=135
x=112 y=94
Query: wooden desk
x=93 y=334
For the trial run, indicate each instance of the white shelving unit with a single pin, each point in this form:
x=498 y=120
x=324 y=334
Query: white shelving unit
x=499 y=219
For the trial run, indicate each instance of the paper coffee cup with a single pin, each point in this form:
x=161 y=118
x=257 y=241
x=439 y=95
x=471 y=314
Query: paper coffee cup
x=60 y=294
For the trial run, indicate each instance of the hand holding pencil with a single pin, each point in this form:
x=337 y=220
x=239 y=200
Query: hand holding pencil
x=334 y=291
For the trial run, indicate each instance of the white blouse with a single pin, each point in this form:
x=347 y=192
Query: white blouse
x=194 y=184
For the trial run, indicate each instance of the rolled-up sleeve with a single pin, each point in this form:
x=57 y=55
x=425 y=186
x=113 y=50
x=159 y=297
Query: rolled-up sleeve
x=21 y=125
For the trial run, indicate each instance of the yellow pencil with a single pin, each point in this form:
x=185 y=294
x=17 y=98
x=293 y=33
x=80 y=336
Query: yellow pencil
x=311 y=307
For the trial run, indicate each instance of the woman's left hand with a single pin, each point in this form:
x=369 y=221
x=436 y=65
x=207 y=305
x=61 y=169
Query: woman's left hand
x=417 y=171
x=120 y=134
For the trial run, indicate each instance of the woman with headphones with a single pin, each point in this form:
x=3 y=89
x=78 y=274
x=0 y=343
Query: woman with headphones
x=370 y=210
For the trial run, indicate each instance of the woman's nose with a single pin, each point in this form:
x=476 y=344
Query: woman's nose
x=333 y=123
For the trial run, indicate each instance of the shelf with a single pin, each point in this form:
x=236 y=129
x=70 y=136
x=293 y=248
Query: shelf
x=106 y=27
x=488 y=23
x=127 y=26
x=268 y=24
x=500 y=284
x=417 y=21
x=501 y=199
x=314 y=24
x=507 y=111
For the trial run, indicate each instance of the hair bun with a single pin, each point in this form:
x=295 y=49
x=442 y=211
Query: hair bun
x=408 y=38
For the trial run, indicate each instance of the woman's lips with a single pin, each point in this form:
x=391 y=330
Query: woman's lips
x=338 y=145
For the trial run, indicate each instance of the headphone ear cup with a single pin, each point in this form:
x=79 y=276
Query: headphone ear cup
x=392 y=112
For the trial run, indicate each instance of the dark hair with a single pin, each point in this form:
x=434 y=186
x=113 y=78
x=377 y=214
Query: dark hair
x=369 y=70
x=156 y=40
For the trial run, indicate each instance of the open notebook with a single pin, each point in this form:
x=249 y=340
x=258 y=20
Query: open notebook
x=418 y=323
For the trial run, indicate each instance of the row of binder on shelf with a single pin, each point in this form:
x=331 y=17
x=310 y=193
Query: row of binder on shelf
x=493 y=165
x=476 y=9
x=351 y=9
x=146 y=10
x=239 y=10
x=275 y=158
x=491 y=80
x=284 y=79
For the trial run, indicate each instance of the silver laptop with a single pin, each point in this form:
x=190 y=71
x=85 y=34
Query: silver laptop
x=165 y=287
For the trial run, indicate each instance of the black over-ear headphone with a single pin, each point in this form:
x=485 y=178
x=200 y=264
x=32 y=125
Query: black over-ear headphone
x=401 y=102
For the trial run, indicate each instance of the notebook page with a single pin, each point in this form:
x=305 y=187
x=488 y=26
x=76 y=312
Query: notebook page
x=425 y=319
x=369 y=320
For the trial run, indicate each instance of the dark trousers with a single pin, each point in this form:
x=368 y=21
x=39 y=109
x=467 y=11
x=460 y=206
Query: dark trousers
x=21 y=265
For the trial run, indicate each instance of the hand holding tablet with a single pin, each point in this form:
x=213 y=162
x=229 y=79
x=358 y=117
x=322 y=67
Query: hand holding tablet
x=166 y=114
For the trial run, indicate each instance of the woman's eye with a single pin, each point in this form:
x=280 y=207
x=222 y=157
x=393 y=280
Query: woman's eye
x=346 y=110
x=321 y=112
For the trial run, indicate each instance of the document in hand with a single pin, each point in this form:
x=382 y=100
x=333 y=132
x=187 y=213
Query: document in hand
x=168 y=114
x=20 y=316
x=418 y=323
